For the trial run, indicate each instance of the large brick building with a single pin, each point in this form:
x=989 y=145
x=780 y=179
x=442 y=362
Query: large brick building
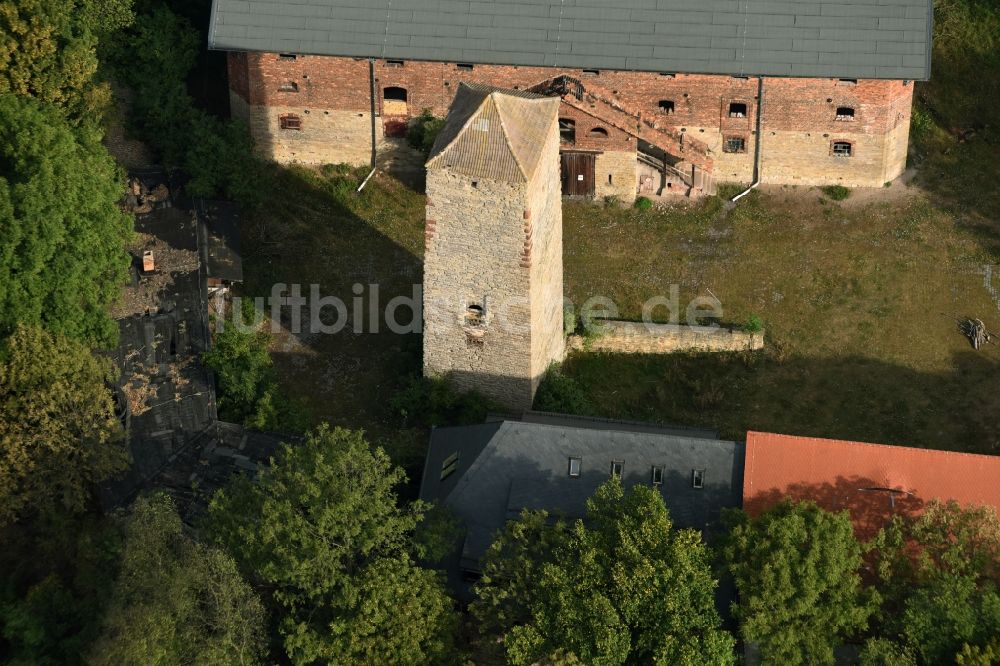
x=658 y=95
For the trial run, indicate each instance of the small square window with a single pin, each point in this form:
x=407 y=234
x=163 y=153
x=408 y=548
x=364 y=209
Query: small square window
x=465 y=66
x=287 y=56
x=449 y=466
x=617 y=467
x=666 y=106
x=290 y=122
x=394 y=63
x=842 y=148
x=735 y=144
x=737 y=110
x=657 y=475
x=574 y=467
x=697 y=478
x=845 y=113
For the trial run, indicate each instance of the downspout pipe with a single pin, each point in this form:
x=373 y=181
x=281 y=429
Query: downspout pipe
x=756 y=147
x=371 y=85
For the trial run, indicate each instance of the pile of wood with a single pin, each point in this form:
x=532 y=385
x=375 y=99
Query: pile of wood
x=975 y=330
x=140 y=199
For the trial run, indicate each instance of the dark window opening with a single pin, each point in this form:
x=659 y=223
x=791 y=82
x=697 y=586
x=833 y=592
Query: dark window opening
x=735 y=144
x=669 y=75
x=617 y=467
x=842 y=148
x=599 y=133
x=609 y=180
x=845 y=113
x=394 y=63
x=289 y=86
x=394 y=93
x=287 y=56
x=657 y=475
x=567 y=130
x=591 y=72
x=465 y=66
x=449 y=466
x=574 y=467
x=290 y=122
x=847 y=82
x=666 y=106
x=737 y=110
x=697 y=478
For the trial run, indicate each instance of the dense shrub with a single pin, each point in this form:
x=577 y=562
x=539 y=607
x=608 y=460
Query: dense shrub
x=643 y=203
x=423 y=131
x=561 y=393
x=431 y=402
x=836 y=192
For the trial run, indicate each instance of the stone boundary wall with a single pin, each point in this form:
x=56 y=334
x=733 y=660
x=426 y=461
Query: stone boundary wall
x=640 y=338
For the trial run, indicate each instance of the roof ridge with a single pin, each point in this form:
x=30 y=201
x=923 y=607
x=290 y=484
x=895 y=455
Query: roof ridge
x=487 y=452
x=494 y=96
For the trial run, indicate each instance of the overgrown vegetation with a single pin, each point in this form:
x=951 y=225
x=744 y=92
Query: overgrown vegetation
x=423 y=131
x=836 y=192
x=428 y=402
x=642 y=203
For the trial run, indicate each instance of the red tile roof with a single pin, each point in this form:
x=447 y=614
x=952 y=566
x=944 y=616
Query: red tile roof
x=872 y=481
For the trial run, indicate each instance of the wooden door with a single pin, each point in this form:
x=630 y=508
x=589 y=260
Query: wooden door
x=578 y=174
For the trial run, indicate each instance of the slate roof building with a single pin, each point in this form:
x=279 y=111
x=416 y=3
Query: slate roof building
x=872 y=481
x=487 y=474
x=668 y=96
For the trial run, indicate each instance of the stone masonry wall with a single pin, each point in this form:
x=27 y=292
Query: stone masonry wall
x=638 y=338
x=325 y=137
x=615 y=175
x=474 y=243
x=797 y=113
x=545 y=256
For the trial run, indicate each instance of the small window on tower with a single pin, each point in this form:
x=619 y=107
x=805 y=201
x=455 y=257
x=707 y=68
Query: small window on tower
x=666 y=106
x=290 y=122
x=617 y=467
x=735 y=144
x=289 y=86
x=737 y=110
x=842 y=148
x=845 y=113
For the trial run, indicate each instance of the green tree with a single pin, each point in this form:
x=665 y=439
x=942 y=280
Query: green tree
x=58 y=431
x=938 y=577
x=796 y=569
x=322 y=531
x=177 y=601
x=48 y=50
x=62 y=235
x=883 y=652
x=979 y=655
x=624 y=587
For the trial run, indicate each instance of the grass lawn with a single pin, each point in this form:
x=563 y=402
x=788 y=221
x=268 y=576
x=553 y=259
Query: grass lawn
x=859 y=300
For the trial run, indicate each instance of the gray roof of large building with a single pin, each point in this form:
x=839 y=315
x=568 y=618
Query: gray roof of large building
x=505 y=467
x=877 y=39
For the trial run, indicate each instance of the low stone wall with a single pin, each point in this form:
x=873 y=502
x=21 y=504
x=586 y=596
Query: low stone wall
x=640 y=338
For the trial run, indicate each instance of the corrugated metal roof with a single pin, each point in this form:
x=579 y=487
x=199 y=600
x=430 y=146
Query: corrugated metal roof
x=494 y=133
x=872 y=481
x=884 y=39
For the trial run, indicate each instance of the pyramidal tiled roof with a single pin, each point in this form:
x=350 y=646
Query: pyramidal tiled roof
x=494 y=133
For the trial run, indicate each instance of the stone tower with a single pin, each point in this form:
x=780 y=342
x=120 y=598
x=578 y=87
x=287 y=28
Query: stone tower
x=493 y=288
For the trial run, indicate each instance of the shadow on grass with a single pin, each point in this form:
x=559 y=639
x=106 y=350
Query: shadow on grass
x=849 y=398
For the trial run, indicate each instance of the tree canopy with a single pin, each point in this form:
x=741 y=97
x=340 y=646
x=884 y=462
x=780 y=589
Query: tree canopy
x=322 y=531
x=622 y=587
x=796 y=569
x=939 y=576
x=177 y=601
x=62 y=235
x=58 y=431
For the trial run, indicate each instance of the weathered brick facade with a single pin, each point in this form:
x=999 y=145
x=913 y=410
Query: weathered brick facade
x=331 y=98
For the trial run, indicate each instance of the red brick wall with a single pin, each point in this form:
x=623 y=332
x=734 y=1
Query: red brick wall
x=699 y=100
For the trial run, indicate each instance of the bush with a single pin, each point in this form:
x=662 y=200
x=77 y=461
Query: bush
x=612 y=201
x=431 y=401
x=561 y=393
x=836 y=192
x=643 y=203
x=754 y=324
x=423 y=131
x=569 y=320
